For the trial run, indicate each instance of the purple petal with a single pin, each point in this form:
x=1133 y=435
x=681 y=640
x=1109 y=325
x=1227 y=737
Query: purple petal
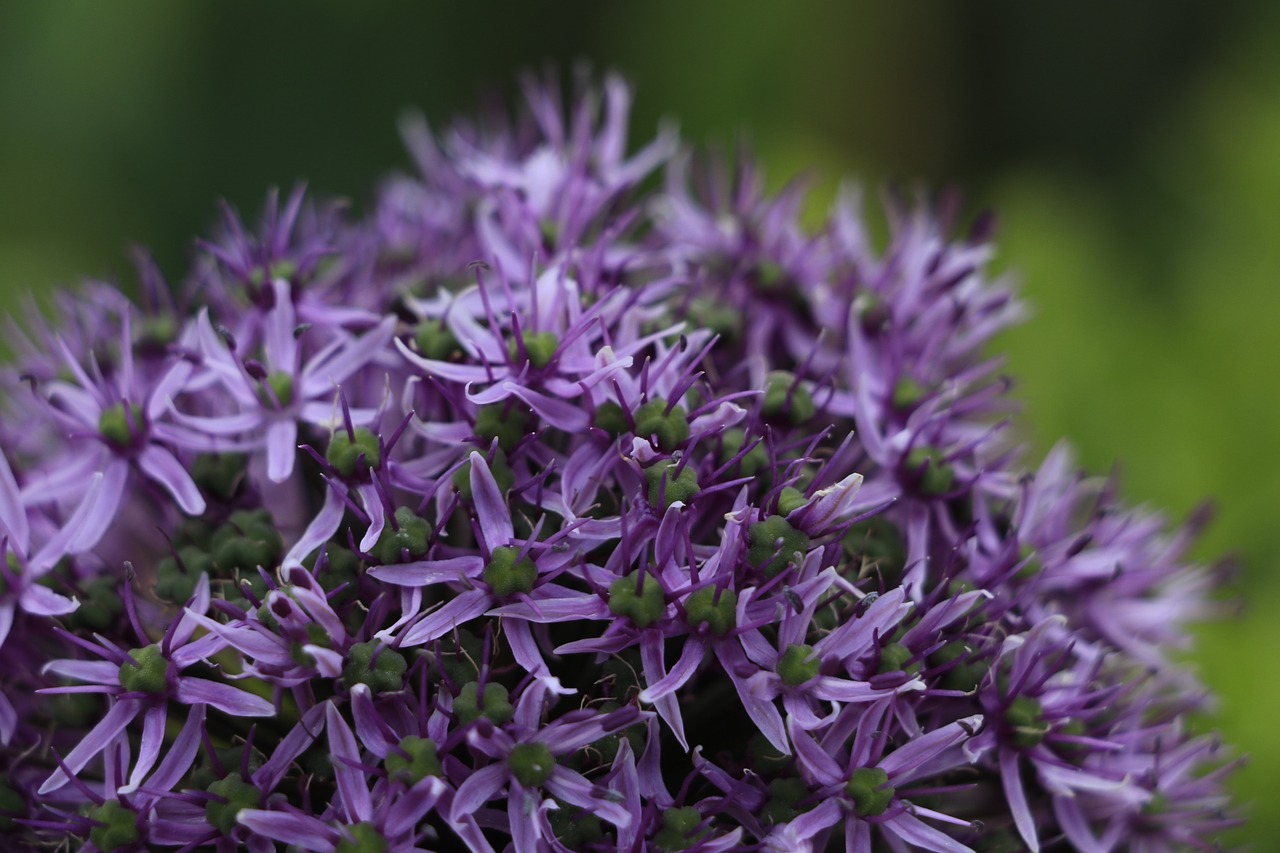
x=329 y=370
x=829 y=507
x=13 y=515
x=161 y=466
x=372 y=502
x=149 y=748
x=320 y=530
x=479 y=788
x=524 y=647
x=690 y=659
x=444 y=369
x=6 y=620
x=224 y=697
x=169 y=386
x=8 y=719
x=177 y=761
x=413 y=805
x=529 y=707
x=906 y=762
x=41 y=601
x=522 y=807
x=825 y=815
x=557 y=413
x=820 y=764
x=1075 y=825
x=854 y=636
x=547 y=610
x=301 y=736
x=343 y=753
x=262 y=647
x=1011 y=779
x=857 y=839
x=763 y=712
x=914 y=831
x=369 y=724
x=115 y=721
x=651 y=654
x=221 y=425
x=491 y=507
x=843 y=690
x=458 y=611
x=196 y=650
x=200 y=599
x=282 y=447
x=295 y=829
x=91 y=518
x=574 y=788
x=428 y=572
x=317 y=607
x=94 y=672
x=277 y=333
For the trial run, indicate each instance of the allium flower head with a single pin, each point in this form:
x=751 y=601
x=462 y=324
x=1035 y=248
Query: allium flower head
x=556 y=508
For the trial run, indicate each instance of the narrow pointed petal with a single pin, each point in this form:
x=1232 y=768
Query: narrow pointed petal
x=577 y=789
x=915 y=831
x=289 y=828
x=1016 y=796
x=914 y=756
x=491 y=507
x=13 y=514
x=161 y=466
x=8 y=719
x=224 y=697
x=149 y=747
x=344 y=753
x=458 y=611
x=114 y=722
x=319 y=531
x=282 y=448
x=181 y=753
x=428 y=572
x=479 y=788
x=42 y=601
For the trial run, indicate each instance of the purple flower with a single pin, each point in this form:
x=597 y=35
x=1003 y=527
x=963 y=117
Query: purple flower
x=142 y=682
x=274 y=395
x=625 y=517
x=865 y=792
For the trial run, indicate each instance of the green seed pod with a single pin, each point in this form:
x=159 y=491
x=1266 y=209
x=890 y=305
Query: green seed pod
x=345 y=452
x=643 y=605
x=869 y=789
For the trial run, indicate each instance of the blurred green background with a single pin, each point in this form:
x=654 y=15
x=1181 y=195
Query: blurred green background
x=1132 y=150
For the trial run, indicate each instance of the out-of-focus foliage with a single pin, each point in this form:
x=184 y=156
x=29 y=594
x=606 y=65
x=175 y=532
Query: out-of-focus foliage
x=1134 y=159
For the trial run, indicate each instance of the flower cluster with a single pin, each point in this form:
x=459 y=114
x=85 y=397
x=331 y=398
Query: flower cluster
x=555 y=507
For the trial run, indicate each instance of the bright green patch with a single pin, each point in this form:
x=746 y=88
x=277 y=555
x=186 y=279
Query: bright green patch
x=119 y=826
x=146 y=674
x=666 y=487
x=774 y=545
x=670 y=428
x=381 y=667
x=531 y=763
x=870 y=791
x=346 y=453
x=232 y=794
x=506 y=575
x=495 y=706
x=638 y=596
x=414 y=759
x=714 y=607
